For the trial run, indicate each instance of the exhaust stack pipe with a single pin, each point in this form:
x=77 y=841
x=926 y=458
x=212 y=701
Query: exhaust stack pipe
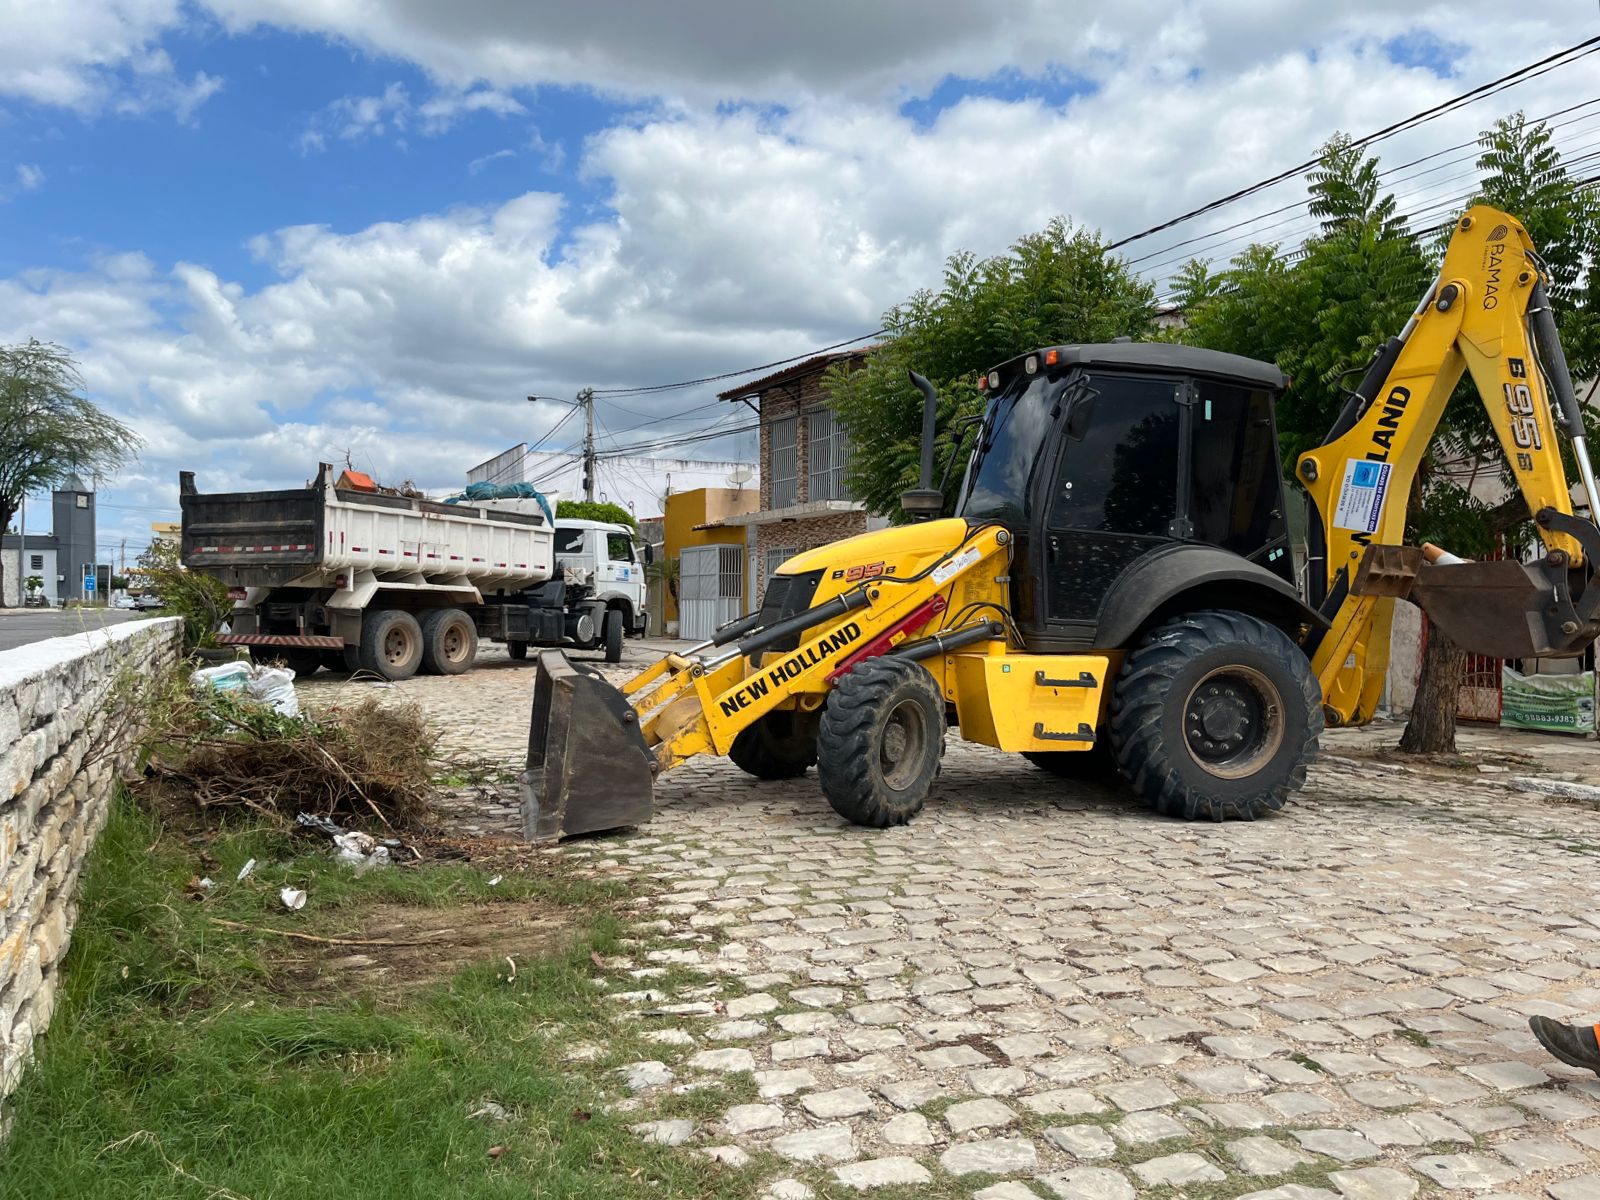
x=925 y=501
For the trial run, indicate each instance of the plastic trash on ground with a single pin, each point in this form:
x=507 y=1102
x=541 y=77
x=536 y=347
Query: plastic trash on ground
x=293 y=899
x=270 y=685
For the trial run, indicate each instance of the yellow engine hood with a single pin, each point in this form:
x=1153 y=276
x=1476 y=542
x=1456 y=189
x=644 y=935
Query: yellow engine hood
x=899 y=550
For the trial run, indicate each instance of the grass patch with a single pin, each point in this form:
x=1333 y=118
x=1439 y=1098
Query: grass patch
x=185 y=1062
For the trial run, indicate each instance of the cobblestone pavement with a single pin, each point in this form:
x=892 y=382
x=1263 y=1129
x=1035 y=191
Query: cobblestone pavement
x=1038 y=989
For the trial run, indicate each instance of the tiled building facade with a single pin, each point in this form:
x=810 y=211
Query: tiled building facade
x=804 y=455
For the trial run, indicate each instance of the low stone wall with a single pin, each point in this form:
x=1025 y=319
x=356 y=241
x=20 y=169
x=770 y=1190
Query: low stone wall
x=64 y=739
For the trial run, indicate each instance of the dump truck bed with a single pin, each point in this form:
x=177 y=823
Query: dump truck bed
x=275 y=538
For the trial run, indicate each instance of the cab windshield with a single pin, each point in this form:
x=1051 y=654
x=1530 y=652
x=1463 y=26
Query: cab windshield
x=1011 y=442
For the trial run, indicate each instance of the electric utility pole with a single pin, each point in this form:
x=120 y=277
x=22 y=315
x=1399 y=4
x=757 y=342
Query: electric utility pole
x=586 y=399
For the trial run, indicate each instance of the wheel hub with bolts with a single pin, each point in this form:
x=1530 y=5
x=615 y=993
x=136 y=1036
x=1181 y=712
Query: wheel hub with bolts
x=1233 y=721
x=397 y=645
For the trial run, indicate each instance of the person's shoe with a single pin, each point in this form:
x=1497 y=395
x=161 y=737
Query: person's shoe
x=1574 y=1045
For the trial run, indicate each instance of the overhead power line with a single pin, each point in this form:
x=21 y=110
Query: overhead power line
x=782 y=362
x=1531 y=71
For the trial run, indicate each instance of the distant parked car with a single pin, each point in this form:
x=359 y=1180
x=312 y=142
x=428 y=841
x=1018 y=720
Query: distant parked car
x=124 y=602
x=146 y=603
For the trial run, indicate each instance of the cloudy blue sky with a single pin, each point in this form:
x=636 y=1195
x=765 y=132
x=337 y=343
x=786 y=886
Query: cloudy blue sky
x=275 y=231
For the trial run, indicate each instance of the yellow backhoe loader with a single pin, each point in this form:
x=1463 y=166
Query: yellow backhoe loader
x=1118 y=586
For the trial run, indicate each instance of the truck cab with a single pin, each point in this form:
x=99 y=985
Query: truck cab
x=605 y=559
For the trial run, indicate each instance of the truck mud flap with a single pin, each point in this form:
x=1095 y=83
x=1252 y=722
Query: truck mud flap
x=588 y=767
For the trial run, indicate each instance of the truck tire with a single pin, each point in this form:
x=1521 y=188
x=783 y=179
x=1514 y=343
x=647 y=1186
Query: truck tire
x=449 y=642
x=880 y=743
x=517 y=650
x=1094 y=765
x=303 y=663
x=1215 y=714
x=613 y=635
x=391 y=644
x=780 y=745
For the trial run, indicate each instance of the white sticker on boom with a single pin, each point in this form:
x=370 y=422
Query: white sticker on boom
x=946 y=570
x=1360 y=505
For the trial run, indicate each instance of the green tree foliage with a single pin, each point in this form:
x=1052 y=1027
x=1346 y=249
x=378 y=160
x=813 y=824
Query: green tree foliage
x=200 y=600
x=596 y=510
x=47 y=429
x=1321 y=316
x=1051 y=288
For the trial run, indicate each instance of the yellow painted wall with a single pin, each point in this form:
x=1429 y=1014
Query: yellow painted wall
x=685 y=510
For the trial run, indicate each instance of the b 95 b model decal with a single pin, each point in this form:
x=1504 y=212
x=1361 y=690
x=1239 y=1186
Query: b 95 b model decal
x=864 y=571
x=1519 y=404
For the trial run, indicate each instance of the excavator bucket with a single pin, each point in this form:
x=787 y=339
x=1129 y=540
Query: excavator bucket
x=1504 y=609
x=1497 y=609
x=588 y=768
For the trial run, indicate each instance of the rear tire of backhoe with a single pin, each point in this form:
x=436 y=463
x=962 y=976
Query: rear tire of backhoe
x=880 y=743
x=1215 y=715
x=780 y=745
x=449 y=642
x=391 y=644
x=517 y=650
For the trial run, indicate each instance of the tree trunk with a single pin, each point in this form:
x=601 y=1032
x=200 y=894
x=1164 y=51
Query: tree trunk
x=1432 y=727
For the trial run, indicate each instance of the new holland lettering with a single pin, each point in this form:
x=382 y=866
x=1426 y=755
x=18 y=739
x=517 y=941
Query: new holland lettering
x=801 y=660
x=1394 y=407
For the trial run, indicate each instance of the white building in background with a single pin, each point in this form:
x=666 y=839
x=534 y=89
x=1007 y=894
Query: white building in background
x=638 y=484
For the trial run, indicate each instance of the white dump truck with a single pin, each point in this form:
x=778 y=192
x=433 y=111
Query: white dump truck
x=329 y=576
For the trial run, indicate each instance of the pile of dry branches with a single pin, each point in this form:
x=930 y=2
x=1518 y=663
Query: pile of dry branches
x=359 y=763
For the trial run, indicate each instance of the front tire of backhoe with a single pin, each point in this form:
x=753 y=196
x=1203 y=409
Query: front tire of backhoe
x=881 y=740
x=1215 y=715
x=780 y=745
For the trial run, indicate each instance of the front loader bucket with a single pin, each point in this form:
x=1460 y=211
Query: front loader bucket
x=588 y=768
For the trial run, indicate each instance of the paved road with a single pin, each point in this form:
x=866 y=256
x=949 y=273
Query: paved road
x=1039 y=983
x=20 y=628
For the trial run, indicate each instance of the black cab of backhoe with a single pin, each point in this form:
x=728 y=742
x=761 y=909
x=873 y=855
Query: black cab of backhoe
x=1138 y=479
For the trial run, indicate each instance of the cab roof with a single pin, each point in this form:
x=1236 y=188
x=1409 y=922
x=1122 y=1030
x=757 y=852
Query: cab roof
x=1163 y=357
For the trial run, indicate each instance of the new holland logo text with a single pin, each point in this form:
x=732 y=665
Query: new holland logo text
x=1394 y=407
x=801 y=660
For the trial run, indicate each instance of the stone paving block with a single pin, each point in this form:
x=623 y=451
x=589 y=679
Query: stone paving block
x=1147 y=1128
x=882 y=1172
x=1088 y=1183
x=841 y=1102
x=1581 y=1187
x=1465 y=1172
x=1087 y=1142
x=1539 y=1154
x=946 y=1057
x=771 y=1084
x=996 y=1156
x=978 y=1114
x=1374 y=1183
x=665 y=1133
x=1292 y=1191
x=911 y=1093
x=1340 y=1144
x=1262 y=1155
x=751 y=1006
x=825 y=1143
x=1063 y=1102
x=751 y=1118
x=1507 y=1076
x=908 y=1129
x=1009 y=1190
x=1139 y=1095
x=641 y=1075
x=1175 y=1170
x=997 y=1081
x=729 y=1061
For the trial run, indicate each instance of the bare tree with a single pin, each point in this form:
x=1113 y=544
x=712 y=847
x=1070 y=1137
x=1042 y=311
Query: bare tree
x=48 y=429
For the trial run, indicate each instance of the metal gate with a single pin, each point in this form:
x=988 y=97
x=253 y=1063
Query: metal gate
x=710 y=589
